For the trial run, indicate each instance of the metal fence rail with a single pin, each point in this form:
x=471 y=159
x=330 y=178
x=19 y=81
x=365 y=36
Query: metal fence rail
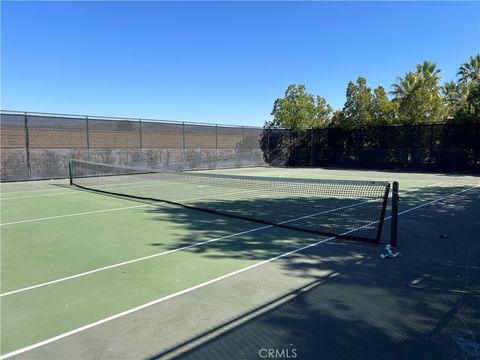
x=38 y=145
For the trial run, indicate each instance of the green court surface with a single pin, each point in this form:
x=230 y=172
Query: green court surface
x=71 y=258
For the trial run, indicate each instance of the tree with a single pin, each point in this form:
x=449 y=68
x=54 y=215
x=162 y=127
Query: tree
x=299 y=110
x=451 y=97
x=357 y=110
x=429 y=73
x=469 y=110
x=337 y=118
x=470 y=71
x=384 y=111
x=323 y=113
x=418 y=95
x=404 y=87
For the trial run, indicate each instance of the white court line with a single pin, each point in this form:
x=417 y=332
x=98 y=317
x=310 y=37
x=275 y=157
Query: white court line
x=417 y=189
x=34 y=196
x=120 y=186
x=162 y=299
x=29 y=191
x=135 y=309
x=74 y=214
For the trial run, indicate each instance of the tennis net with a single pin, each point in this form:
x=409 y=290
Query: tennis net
x=345 y=209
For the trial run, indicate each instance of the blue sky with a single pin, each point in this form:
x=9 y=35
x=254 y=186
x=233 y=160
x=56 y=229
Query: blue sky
x=217 y=62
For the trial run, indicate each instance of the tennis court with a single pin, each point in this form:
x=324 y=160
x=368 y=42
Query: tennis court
x=90 y=275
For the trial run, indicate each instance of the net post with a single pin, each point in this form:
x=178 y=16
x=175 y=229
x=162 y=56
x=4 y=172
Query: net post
x=70 y=172
x=394 y=222
x=382 y=214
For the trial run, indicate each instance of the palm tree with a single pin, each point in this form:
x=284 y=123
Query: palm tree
x=451 y=92
x=418 y=94
x=451 y=97
x=470 y=71
x=428 y=70
x=404 y=86
x=429 y=74
x=463 y=91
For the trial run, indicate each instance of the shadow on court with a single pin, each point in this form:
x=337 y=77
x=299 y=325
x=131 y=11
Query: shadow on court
x=261 y=244
x=425 y=304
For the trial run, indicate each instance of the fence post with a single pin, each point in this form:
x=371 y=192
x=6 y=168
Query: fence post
x=268 y=146
x=140 y=133
x=311 y=146
x=27 y=147
x=183 y=146
x=216 y=144
x=88 y=138
x=88 y=134
x=431 y=145
x=127 y=123
x=292 y=152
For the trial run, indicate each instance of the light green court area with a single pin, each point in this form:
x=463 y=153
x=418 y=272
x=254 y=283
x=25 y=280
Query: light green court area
x=79 y=240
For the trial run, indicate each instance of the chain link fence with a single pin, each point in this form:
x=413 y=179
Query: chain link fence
x=37 y=146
